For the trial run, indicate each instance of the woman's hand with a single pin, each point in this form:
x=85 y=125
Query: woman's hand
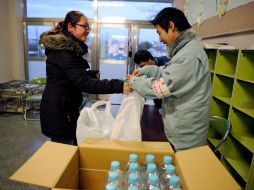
x=98 y=75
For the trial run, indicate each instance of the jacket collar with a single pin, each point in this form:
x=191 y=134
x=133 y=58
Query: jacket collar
x=53 y=40
x=181 y=40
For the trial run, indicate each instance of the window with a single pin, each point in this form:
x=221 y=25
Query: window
x=149 y=40
x=124 y=10
x=114 y=43
x=33 y=37
x=58 y=8
x=36 y=69
x=107 y=10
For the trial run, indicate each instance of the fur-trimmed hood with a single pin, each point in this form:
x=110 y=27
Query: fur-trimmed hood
x=58 y=41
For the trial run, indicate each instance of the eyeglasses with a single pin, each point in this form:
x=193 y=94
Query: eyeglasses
x=85 y=26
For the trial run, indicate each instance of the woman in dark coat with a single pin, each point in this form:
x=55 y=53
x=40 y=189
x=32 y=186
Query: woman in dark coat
x=67 y=77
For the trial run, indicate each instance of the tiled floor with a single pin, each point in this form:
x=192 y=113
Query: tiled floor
x=19 y=139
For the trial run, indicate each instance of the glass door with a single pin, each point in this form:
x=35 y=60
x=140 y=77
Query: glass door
x=113 y=51
x=35 y=54
x=149 y=40
x=117 y=45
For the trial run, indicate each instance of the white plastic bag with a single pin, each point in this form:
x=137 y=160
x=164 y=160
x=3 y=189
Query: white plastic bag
x=127 y=123
x=94 y=122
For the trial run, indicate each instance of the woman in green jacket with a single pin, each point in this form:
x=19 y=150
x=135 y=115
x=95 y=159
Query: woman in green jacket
x=183 y=84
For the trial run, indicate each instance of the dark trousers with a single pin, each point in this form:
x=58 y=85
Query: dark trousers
x=65 y=141
x=157 y=103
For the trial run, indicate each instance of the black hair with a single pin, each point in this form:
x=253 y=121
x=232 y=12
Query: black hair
x=60 y=26
x=72 y=17
x=174 y=15
x=57 y=29
x=142 y=56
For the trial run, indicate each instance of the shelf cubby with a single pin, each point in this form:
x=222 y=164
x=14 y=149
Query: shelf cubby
x=250 y=183
x=234 y=173
x=232 y=98
x=238 y=157
x=211 y=53
x=219 y=108
x=246 y=66
x=213 y=140
x=222 y=88
x=212 y=76
x=244 y=97
x=242 y=129
x=226 y=63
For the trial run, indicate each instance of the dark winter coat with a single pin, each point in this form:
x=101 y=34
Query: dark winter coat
x=67 y=78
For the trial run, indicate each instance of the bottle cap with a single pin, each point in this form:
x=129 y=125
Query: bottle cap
x=174 y=180
x=133 y=178
x=133 y=167
x=170 y=169
x=113 y=176
x=167 y=159
x=133 y=157
x=115 y=165
x=150 y=158
x=153 y=179
x=111 y=186
x=155 y=188
x=151 y=168
x=133 y=187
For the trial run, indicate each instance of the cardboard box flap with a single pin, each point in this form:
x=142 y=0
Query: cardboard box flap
x=200 y=169
x=97 y=154
x=108 y=150
x=128 y=145
x=46 y=166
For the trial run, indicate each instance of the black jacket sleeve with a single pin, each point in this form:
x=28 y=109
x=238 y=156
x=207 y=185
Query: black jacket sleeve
x=92 y=73
x=71 y=66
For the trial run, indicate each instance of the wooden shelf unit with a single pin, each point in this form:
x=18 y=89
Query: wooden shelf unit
x=232 y=98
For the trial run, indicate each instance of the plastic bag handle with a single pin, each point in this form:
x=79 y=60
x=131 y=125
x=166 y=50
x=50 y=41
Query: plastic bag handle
x=100 y=103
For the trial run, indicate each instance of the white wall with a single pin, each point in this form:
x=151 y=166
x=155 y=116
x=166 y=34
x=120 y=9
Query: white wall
x=207 y=8
x=11 y=49
x=240 y=40
x=5 y=47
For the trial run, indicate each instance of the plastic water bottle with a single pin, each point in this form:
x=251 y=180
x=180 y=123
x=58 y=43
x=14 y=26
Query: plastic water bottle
x=113 y=178
x=110 y=186
x=166 y=161
x=133 y=169
x=115 y=166
x=153 y=182
x=133 y=158
x=174 y=182
x=149 y=159
x=151 y=169
x=165 y=177
x=134 y=180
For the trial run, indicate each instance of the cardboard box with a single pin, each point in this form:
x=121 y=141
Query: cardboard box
x=61 y=166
